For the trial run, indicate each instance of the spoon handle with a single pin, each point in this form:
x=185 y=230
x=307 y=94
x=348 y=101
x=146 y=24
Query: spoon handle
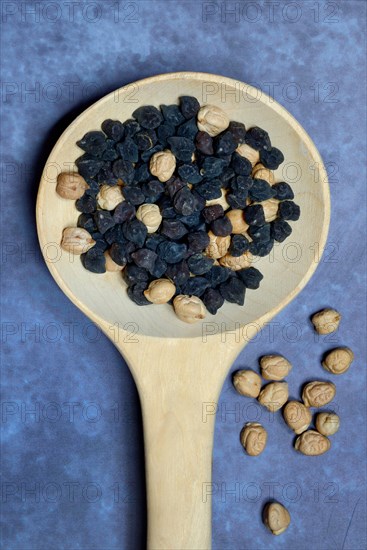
x=179 y=388
x=178 y=451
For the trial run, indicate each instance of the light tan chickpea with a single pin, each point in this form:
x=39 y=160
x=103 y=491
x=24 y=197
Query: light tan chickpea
x=220 y=200
x=312 y=443
x=212 y=119
x=160 y=291
x=260 y=172
x=217 y=246
x=162 y=165
x=276 y=518
x=270 y=207
x=109 y=197
x=76 y=240
x=150 y=215
x=248 y=152
x=327 y=423
x=318 y=393
x=253 y=438
x=338 y=360
x=239 y=226
x=297 y=416
x=274 y=367
x=236 y=262
x=326 y=321
x=189 y=309
x=110 y=264
x=274 y=395
x=247 y=383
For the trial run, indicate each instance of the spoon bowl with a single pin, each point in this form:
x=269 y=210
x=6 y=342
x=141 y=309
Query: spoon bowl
x=179 y=369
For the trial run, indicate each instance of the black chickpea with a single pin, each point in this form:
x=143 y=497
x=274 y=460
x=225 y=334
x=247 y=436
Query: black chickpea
x=171 y=189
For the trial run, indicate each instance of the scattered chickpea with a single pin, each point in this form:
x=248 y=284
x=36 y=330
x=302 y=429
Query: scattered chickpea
x=338 y=360
x=276 y=518
x=317 y=393
x=212 y=119
x=247 y=383
x=76 y=240
x=326 y=321
x=71 y=185
x=160 y=291
x=274 y=395
x=253 y=438
x=297 y=416
x=189 y=308
x=274 y=367
x=312 y=443
x=327 y=423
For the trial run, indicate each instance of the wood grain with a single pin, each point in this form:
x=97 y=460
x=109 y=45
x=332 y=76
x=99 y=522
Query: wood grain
x=179 y=369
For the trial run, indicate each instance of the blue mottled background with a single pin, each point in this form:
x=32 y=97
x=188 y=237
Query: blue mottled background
x=72 y=461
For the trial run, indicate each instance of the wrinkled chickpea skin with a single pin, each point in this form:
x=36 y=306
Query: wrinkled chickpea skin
x=253 y=438
x=338 y=360
x=236 y=262
x=318 y=393
x=274 y=395
x=312 y=443
x=212 y=119
x=162 y=165
x=150 y=215
x=160 y=291
x=274 y=367
x=76 y=240
x=297 y=416
x=217 y=246
x=327 y=423
x=71 y=185
x=109 y=197
x=189 y=309
x=326 y=321
x=276 y=518
x=247 y=383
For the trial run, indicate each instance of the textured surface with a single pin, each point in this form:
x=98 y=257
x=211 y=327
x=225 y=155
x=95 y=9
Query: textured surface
x=73 y=475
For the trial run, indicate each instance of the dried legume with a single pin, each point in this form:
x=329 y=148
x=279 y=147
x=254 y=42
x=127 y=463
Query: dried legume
x=173 y=190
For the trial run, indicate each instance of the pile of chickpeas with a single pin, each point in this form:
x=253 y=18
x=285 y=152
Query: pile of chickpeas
x=297 y=414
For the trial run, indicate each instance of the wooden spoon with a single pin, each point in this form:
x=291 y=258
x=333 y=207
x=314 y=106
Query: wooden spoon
x=179 y=369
